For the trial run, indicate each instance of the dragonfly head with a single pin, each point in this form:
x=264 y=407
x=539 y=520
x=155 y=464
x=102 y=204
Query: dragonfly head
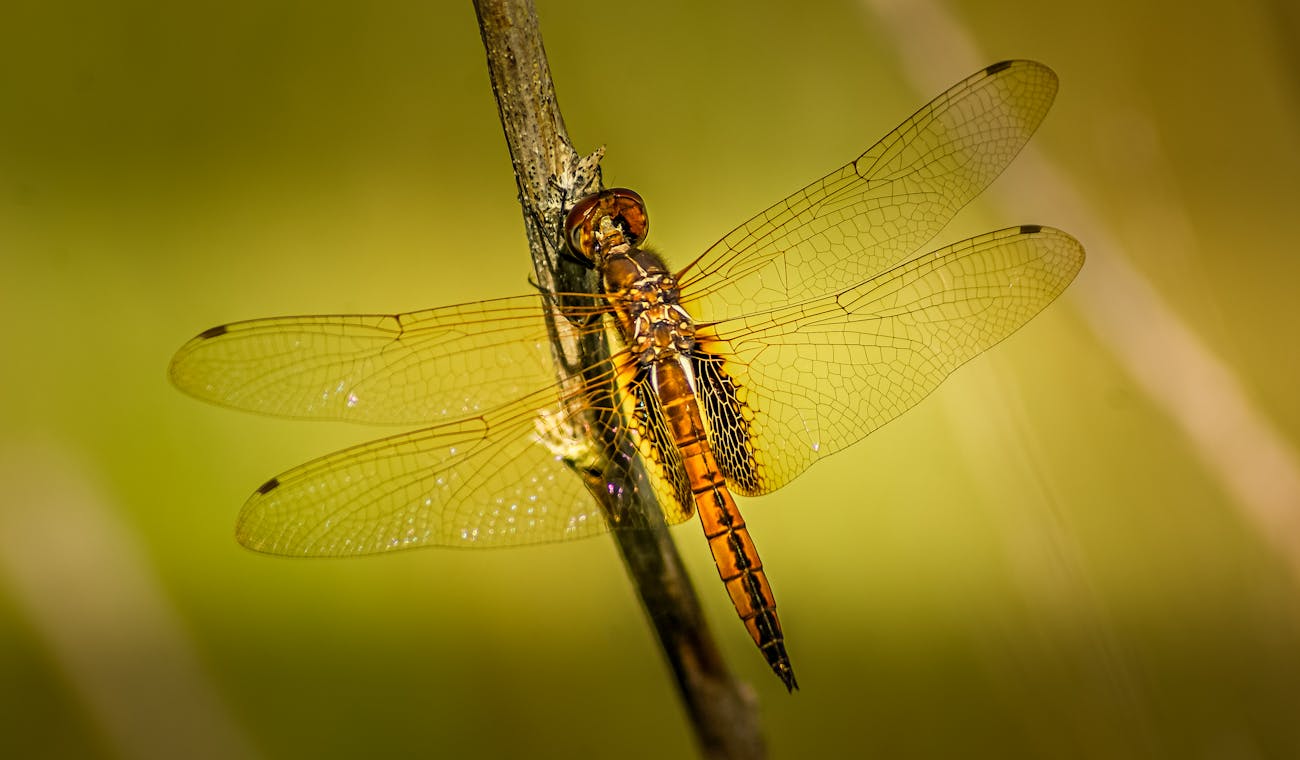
x=601 y=222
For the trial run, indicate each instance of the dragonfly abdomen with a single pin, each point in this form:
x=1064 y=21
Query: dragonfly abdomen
x=733 y=550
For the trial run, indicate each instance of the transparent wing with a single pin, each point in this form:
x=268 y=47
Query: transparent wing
x=489 y=480
x=659 y=453
x=879 y=209
x=810 y=378
x=496 y=479
x=414 y=368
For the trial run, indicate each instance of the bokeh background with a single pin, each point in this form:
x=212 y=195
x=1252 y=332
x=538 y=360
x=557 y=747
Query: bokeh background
x=1086 y=544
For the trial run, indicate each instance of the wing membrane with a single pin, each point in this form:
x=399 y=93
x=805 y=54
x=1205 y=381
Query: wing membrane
x=489 y=480
x=415 y=368
x=812 y=378
x=879 y=209
x=492 y=480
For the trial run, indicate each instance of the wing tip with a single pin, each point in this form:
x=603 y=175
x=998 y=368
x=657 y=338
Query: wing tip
x=1040 y=73
x=1066 y=249
x=176 y=368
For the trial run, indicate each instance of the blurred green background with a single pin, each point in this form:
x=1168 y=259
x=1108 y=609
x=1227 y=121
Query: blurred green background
x=1086 y=544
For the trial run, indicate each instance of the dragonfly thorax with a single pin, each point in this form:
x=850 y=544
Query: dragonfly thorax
x=662 y=331
x=646 y=301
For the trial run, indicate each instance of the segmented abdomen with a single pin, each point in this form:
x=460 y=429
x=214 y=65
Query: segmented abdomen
x=733 y=550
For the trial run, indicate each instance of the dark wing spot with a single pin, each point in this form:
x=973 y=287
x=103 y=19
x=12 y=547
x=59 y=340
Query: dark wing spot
x=1030 y=229
x=999 y=66
x=214 y=332
x=268 y=486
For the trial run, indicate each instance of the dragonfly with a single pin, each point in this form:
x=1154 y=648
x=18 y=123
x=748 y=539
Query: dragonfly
x=792 y=337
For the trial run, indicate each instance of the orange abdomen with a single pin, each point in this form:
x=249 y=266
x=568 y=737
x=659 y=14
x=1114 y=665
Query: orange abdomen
x=733 y=550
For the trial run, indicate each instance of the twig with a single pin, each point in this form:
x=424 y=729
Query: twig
x=551 y=176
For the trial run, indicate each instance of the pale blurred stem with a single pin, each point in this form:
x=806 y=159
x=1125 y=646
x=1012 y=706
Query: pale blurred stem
x=551 y=175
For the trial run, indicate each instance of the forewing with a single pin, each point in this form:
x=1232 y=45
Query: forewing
x=880 y=208
x=416 y=368
x=808 y=379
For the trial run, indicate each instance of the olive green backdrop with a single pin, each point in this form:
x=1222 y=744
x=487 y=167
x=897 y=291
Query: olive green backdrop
x=1073 y=549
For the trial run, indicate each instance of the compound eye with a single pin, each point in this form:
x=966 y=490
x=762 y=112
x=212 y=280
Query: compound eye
x=579 y=229
x=625 y=210
x=630 y=215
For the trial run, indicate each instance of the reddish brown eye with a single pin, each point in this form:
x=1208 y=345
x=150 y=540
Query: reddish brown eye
x=630 y=215
x=578 y=228
x=622 y=206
